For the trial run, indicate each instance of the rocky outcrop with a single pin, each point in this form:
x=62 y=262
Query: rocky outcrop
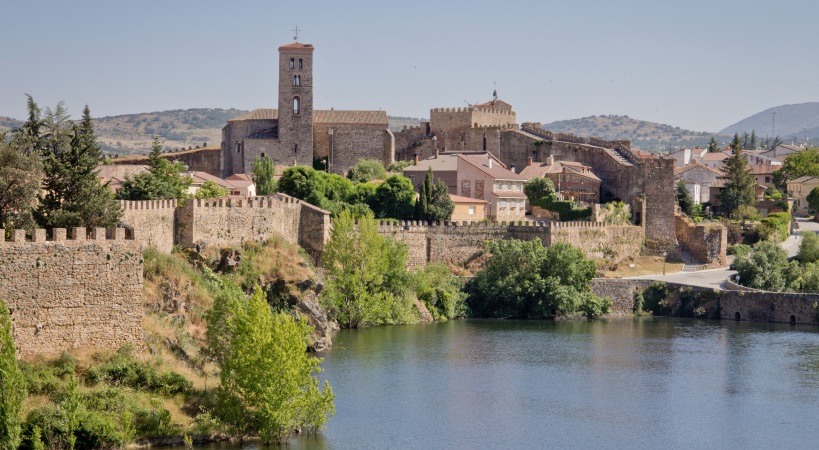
x=307 y=305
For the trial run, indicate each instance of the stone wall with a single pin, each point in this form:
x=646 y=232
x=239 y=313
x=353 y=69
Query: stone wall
x=707 y=242
x=458 y=243
x=236 y=131
x=64 y=293
x=152 y=222
x=351 y=142
x=200 y=160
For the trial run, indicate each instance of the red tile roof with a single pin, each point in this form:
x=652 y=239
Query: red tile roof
x=686 y=168
x=297 y=46
x=461 y=199
x=331 y=116
x=497 y=171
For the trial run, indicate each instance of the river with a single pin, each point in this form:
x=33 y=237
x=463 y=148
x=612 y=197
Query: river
x=622 y=383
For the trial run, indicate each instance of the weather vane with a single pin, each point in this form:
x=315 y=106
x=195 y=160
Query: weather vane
x=296 y=33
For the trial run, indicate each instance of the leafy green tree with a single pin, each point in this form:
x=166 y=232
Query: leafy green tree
x=740 y=185
x=209 y=189
x=441 y=292
x=435 y=203
x=73 y=194
x=367 y=170
x=395 y=198
x=367 y=282
x=20 y=176
x=767 y=268
x=525 y=280
x=798 y=164
x=713 y=146
x=813 y=200
x=540 y=190
x=263 y=172
x=163 y=180
x=12 y=386
x=268 y=383
x=808 y=248
x=301 y=182
x=684 y=198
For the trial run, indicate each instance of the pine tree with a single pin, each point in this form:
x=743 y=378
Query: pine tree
x=74 y=195
x=740 y=185
x=421 y=204
x=754 y=143
x=746 y=140
x=20 y=175
x=713 y=146
x=163 y=181
x=12 y=386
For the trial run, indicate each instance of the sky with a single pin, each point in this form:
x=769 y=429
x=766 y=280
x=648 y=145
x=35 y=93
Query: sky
x=699 y=65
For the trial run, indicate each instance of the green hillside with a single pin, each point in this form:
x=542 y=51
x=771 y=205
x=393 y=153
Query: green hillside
x=649 y=136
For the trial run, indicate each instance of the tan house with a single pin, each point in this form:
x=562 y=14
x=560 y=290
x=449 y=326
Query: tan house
x=798 y=189
x=572 y=179
x=468 y=209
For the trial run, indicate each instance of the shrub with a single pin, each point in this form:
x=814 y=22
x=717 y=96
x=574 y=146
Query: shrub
x=440 y=292
x=739 y=250
x=123 y=369
x=367 y=170
x=656 y=299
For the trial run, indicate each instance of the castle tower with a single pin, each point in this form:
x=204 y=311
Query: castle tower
x=296 y=102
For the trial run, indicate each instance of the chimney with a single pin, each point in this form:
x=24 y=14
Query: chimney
x=416 y=159
x=489 y=162
x=512 y=168
x=437 y=152
x=551 y=160
x=529 y=161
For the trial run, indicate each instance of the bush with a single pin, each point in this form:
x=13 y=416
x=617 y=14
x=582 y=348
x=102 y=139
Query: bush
x=367 y=170
x=739 y=250
x=808 y=248
x=525 y=280
x=775 y=226
x=768 y=268
x=123 y=369
x=440 y=292
x=656 y=299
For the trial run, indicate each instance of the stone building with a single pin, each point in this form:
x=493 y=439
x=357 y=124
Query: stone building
x=295 y=133
x=572 y=180
x=698 y=179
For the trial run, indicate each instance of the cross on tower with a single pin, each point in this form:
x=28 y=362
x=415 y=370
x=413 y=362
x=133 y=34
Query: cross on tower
x=296 y=33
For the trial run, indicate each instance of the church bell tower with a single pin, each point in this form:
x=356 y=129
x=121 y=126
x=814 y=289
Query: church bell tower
x=296 y=103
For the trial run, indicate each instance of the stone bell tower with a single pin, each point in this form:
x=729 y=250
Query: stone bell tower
x=296 y=103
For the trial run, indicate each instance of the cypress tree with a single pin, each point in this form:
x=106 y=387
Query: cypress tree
x=713 y=147
x=754 y=143
x=12 y=386
x=740 y=185
x=74 y=195
x=421 y=204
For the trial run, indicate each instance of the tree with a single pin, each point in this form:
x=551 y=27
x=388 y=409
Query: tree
x=813 y=200
x=713 y=146
x=740 y=185
x=753 y=142
x=209 y=189
x=777 y=141
x=301 y=182
x=395 y=198
x=746 y=140
x=162 y=181
x=525 y=280
x=73 y=193
x=684 y=198
x=20 y=176
x=367 y=282
x=12 y=386
x=367 y=170
x=268 y=383
x=808 y=248
x=263 y=172
x=540 y=190
x=767 y=268
x=435 y=203
x=797 y=164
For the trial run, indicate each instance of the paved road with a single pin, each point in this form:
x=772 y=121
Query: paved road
x=715 y=278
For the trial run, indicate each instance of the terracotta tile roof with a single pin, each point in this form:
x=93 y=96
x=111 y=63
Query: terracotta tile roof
x=509 y=194
x=239 y=180
x=537 y=170
x=445 y=162
x=322 y=116
x=803 y=179
x=258 y=114
x=497 y=171
x=715 y=156
x=762 y=169
x=117 y=173
x=297 y=46
x=686 y=168
x=461 y=199
x=336 y=116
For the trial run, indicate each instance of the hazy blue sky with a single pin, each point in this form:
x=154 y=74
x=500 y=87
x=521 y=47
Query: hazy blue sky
x=696 y=64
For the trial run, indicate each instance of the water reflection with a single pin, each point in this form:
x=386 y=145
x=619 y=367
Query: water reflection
x=636 y=382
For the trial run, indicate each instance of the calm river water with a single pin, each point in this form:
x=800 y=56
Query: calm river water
x=624 y=383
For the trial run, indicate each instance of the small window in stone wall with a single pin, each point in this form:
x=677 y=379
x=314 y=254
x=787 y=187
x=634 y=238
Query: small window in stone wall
x=466 y=188
x=297 y=80
x=471 y=210
x=296 y=106
x=301 y=64
x=292 y=63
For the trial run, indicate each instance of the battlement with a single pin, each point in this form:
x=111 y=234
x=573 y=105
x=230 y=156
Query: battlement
x=535 y=128
x=503 y=226
x=248 y=202
x=148 y=204
x=473 y=109
x=77 y=234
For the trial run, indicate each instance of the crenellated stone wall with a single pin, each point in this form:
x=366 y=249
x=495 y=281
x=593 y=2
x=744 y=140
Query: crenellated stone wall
x=458 y=243
x=69 y=292
x=153 y=222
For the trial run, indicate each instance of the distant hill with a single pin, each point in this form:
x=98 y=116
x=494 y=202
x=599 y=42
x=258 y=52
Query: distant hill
x=178 y=129
x=649 y=136
x=792 y=121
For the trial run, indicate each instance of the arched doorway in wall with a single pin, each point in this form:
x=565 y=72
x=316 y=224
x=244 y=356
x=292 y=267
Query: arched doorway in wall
x=737 y=316
x=792 y=319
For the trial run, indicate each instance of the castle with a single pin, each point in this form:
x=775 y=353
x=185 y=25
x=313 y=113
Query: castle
x=295 y=133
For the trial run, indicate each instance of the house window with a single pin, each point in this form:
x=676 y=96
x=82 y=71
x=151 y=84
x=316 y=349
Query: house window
x=301 y=64
x=517 y=188
x=297 y=80
x=466 y=188
x=262 y=155
x=767 y=179
x=497 y=186
x=471 y=210
x=296 y=106
x=292 y=63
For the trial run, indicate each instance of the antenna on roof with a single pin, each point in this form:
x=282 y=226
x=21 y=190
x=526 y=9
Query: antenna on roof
x=494 y=91
x=296 y=33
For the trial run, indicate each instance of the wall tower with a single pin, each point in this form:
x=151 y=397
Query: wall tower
x=296 y=103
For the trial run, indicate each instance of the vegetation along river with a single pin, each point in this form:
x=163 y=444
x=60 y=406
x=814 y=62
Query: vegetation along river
x=624 y=383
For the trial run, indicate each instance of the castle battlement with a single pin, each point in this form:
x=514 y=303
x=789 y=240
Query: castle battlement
x=77 y=234
x=148 y=204
x=503 y=226
x=269 y=201
x=471 y=109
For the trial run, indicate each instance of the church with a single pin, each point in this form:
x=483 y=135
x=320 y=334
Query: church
x=296 y=134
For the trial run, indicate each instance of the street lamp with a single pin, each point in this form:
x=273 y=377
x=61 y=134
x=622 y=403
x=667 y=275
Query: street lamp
x=665 y=255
